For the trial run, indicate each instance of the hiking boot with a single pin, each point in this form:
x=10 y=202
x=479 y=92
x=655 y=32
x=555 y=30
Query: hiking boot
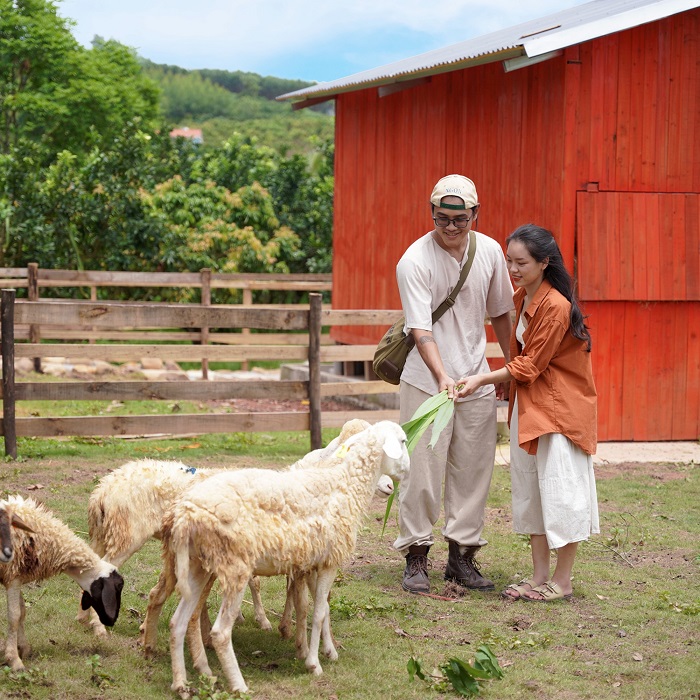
x=415 y=576
x=462 y=569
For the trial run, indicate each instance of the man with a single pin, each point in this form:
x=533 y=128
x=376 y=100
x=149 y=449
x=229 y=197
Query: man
x=454 y=347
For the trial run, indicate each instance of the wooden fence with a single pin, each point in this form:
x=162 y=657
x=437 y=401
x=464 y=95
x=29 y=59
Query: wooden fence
x=98 y=315
x=291 y=333
x=34 y=278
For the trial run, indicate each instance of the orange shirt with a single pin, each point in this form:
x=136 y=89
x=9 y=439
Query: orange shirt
x=553 y=375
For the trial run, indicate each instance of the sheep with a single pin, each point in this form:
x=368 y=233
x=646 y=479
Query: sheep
x=127 y=506
x=44 y=547
x=236 y=524
x=126 y=509
x=296 y=592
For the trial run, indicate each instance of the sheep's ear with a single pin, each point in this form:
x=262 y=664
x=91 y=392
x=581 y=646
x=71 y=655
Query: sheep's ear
x=392 y=447
x=86 y=601
x=20 y=524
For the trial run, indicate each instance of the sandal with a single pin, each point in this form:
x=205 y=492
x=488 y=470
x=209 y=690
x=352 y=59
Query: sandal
x=519 y=589
x=549 y=591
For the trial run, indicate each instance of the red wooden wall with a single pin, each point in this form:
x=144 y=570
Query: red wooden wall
x=597 y=145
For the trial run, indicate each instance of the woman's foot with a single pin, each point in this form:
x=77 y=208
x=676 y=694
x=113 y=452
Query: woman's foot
x=548 y=592
x=516 y=590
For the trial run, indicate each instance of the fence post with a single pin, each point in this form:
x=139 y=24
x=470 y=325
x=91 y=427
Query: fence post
x=7 y=328
x=247 y=301
x=315 y=307
x=33 y=295
x=205 y=275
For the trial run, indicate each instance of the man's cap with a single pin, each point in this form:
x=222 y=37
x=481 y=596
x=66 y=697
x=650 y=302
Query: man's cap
x=455 y=186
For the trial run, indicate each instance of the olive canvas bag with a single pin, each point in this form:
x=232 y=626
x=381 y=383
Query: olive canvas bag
x=392 y=351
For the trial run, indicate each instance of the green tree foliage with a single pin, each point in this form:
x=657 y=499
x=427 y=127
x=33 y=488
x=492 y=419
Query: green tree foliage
x=58 y=94
x=89 y=177
x=207 y=225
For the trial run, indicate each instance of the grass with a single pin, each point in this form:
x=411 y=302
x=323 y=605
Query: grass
x=631 y=631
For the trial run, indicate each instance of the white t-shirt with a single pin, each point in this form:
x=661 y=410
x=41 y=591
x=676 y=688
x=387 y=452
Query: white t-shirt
x=426 y=274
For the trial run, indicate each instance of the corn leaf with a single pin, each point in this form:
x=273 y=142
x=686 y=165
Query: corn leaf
x=430 y=404
x=442 y=418
x=415 y=430
x=436 y=411
x=388 y=508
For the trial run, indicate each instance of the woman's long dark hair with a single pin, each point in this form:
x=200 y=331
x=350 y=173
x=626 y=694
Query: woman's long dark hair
x=541 y=245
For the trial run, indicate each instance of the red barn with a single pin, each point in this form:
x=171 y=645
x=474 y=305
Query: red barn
x=584 y=122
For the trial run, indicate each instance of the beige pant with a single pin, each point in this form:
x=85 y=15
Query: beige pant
x=463 y=458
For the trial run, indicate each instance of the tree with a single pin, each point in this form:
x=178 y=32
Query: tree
x=206 y=225
x=61 y=108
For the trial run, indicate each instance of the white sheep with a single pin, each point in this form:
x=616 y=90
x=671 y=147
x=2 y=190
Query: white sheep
x=254 y=521
x=126 y=509
x=296 y=591
x=43 y=548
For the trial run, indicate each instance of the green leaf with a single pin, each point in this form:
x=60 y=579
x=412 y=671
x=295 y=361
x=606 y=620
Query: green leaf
x=442 y=418
x=414 y=669
x=388 y=508
x=414 y=431
x=459 y=676
x=486 y=660
x=430 y=404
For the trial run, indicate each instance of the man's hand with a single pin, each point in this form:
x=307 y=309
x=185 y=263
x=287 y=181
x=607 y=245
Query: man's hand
x=449 y=384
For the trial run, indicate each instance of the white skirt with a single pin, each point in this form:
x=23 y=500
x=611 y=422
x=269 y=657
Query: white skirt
x=554 y=491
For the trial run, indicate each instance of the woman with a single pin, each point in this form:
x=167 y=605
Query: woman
x=552 y=414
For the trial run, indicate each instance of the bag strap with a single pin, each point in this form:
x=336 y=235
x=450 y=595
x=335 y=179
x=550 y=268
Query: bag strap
x=449 y=302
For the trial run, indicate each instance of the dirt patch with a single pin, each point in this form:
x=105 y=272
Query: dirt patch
x=274 y=405
x=653 y=470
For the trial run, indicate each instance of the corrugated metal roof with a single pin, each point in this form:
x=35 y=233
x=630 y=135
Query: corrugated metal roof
x=533 y=39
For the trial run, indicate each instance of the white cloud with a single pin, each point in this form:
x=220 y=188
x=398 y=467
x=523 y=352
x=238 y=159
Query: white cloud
x=239 y=33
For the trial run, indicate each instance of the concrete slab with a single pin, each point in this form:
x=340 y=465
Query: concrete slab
x=687 y=452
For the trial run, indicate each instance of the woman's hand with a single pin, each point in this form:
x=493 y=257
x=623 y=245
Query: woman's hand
x=468 y=385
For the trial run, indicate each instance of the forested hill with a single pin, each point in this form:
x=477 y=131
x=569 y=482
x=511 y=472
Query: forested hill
x=221 y=102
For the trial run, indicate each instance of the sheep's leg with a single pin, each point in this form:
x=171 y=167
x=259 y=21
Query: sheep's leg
x=205 y=627
x=328 y=644
x=22 y=644
x=285 y=625
x=301 y=605
x=195 y=635
x=324 y=581
x=15 y=605
x=221 y=636
x=196 y=581
x=259 y=610
x=156 y=599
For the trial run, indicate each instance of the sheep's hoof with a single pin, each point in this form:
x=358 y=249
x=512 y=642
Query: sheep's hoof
x=314 y=669
x=24 y=651
x=182 y=690
x=16 y=665
x=285 y=631
x=332 y=654
x=265 y=624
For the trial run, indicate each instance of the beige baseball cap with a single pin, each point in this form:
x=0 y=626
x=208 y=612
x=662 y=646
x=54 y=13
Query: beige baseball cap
x=455 y=186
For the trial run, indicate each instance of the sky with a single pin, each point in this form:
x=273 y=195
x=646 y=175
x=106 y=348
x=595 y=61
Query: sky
x=312 y=40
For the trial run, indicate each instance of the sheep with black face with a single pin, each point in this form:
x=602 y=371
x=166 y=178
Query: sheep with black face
x=42 y=548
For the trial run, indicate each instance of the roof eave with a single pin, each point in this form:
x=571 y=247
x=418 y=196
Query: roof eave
x=320 y=95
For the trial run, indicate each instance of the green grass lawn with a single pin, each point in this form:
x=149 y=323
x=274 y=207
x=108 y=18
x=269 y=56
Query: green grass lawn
x=631 y=631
